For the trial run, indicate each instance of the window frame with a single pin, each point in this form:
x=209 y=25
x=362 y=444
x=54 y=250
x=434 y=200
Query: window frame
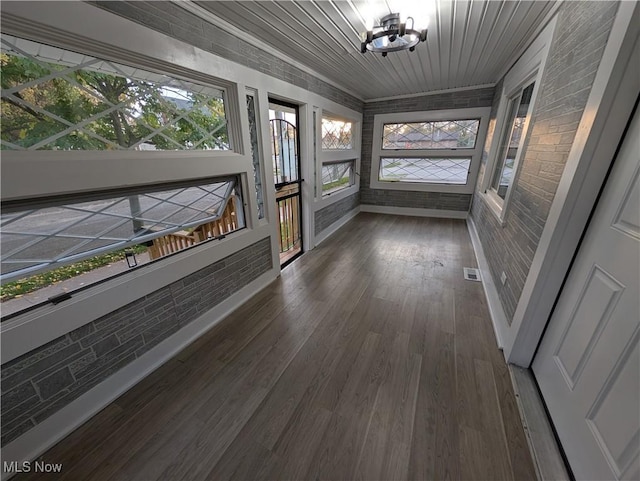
x=337 y=118
x=352 y=177
x=107 y=196
x=499 y=206
x=332 y=156
x=104 y=170
x=480 y=113
x=529 y=68
x=62 y=173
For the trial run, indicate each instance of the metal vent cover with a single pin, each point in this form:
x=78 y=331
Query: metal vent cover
x=472 y=274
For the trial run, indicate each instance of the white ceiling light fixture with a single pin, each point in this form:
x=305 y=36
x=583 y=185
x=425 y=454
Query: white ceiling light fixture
x=392 y=35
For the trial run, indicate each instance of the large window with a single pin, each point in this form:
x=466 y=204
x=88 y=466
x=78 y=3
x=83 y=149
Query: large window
x=337 y=176
x=112 y=167
x=62 y=238
x=452 y=134
x=338 y=154
x=447 y=170
x=431 y=150
x=336 y=134
x=54 y=99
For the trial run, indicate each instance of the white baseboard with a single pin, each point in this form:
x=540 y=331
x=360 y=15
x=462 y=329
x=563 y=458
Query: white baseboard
x=336 y=225
x=43 y=436
x=498 y=317
x=413 y=211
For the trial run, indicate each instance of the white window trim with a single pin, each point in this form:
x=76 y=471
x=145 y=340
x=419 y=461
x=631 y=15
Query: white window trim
x=257 y=102
x=481 y=113
x=37 y=174
x=527 y=69
x=338 y=118
x=354 y=177
x=337 y=155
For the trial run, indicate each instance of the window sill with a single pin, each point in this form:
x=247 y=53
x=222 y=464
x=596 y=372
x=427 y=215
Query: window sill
x=496 y=208
x=422 y=187
x=36 y=327
x=336 y=196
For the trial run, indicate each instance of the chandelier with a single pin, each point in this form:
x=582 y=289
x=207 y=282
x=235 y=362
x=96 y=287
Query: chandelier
x=392 y=36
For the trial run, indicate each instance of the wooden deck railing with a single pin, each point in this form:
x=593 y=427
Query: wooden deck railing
x=177 y=241
x=287 y=200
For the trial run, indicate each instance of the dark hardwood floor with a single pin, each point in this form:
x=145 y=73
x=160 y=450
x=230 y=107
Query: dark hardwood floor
x=371 y=358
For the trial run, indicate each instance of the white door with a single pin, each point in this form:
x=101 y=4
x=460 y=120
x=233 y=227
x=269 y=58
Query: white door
x=588 y=364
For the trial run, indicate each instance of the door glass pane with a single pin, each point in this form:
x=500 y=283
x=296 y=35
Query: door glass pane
x=284 y=143
x=510 y=142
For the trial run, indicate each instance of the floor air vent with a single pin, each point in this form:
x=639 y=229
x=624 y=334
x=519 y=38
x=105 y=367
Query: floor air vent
x=472 y=274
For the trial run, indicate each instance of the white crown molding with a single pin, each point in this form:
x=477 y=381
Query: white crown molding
x=432 y=92
x=207 y=16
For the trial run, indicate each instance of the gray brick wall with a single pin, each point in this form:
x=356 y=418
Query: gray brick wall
x=424 y=200
x=174 y=21
x=41 y=382
x=334 y=212
x=576 y=50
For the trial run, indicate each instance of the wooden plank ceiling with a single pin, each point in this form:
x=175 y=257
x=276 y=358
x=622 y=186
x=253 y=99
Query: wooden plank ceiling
x=468 y=42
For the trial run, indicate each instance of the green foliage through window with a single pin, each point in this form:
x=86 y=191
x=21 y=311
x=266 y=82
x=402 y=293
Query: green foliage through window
x=83 y=103
x=337 y=176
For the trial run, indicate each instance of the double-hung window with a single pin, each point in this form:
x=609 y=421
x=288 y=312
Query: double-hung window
x=111 y=167
x=428 y=151
x=338 y=155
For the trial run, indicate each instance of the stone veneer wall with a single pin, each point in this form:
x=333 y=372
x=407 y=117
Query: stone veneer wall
x=334 y=212
x=41 y=382
x=581 y=35
x=425 y=200
x=168 y=18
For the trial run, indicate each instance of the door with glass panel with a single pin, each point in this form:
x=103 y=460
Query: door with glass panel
x=285 y=153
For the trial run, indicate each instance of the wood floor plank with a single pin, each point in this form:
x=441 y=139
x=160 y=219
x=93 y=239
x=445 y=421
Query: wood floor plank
x=392 y=418
x=521 y=461
x=296 y=453
x=370 y=358
x=493 y=427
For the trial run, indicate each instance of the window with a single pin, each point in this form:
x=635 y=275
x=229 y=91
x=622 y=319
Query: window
x=510 y=141
x=88 y=233
x=106 y=167
x=455 y=134
x=448 y=170
x=338 y=156
x=54 y=99
x=255 y=152
x=506 y=148
x=337 y=176
x=428 y=151
x=336 y=134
